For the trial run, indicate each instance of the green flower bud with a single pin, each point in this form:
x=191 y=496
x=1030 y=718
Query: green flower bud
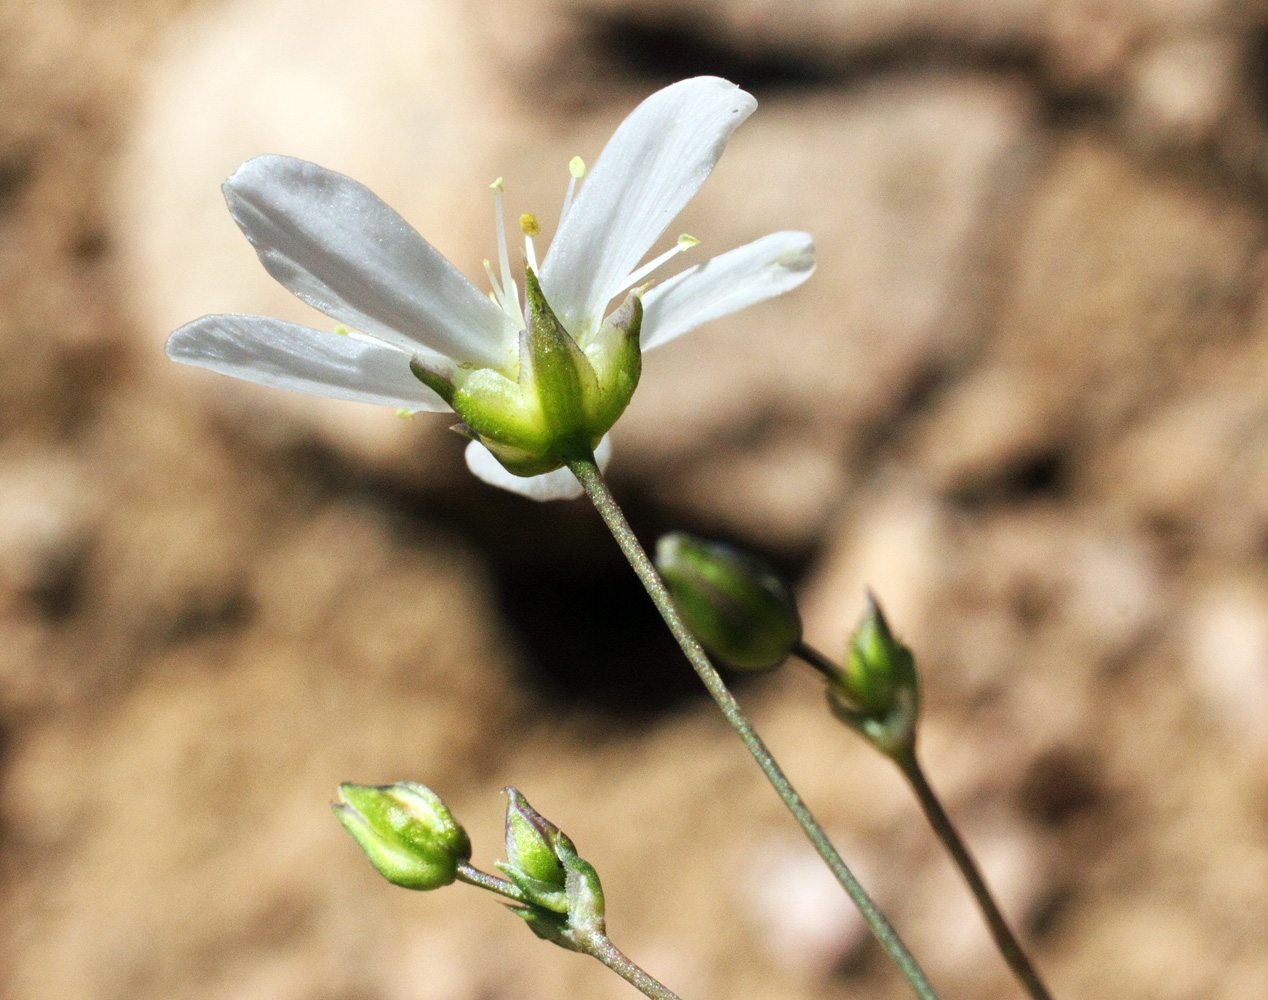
x=731 y=601
x=405 y=831
x=564 y=899
x=876 y=692
x=532 y=861
x=566 y=394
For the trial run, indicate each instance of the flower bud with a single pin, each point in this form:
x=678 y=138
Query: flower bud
x=563 y=896
x=876 y=692
x=731 y=601
x=532 y=862
x=406 y=831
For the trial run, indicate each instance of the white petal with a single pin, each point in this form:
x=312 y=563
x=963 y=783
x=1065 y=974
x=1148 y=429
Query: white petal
x=650 y=168
x=288 y=356
x=337 y=246
x=558 y=485
x=725 y=284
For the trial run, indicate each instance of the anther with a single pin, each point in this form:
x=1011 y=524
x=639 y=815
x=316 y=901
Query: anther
x=576 y=170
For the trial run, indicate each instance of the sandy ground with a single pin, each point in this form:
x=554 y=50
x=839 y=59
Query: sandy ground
x=1023 y=398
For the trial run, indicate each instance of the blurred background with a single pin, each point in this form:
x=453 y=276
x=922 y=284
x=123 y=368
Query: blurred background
x=1023 y=397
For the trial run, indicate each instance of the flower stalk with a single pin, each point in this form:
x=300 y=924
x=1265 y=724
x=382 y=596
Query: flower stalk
x=414 y=841
x=1005 y=940
x=595 y=944
x=596 y=489
x=898 y=743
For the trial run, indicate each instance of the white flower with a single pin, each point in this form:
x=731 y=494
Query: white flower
x=338 y=247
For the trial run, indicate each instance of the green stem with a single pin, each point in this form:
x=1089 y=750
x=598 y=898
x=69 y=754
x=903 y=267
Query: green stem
x=1005 y=940
x=597 y=945
x=600 y=947
x=473 y=876
x=591 y=479
x=814 y=658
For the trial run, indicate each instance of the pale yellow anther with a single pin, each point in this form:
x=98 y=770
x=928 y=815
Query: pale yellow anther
x=341 y=330
x=497 y=185
x=577 y=167
x=686 y=242
x=405 y=414
x=529 y=225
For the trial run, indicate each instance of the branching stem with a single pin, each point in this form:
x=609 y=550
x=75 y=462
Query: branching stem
x=591 y=479
x=600 y=947
x=905 y=757
x=483 y=880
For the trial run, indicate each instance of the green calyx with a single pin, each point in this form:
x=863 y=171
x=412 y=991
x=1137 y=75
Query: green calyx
x=406 y=831
x=564 y=396
x=877 y=691
x=563 y=899
x=532 y=862
x=732 y=602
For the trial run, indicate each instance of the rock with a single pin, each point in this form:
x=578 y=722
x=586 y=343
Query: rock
x=946 y=924
x=802 y=919
x=1180 y=89
x=1227 y=638
x=895 y=546
x=48 y=509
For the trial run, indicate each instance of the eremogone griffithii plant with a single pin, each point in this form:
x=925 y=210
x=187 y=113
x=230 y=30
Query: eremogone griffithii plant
x=539 y=381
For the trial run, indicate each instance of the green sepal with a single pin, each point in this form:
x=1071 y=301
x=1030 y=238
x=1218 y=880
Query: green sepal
x=562 y=399
x=553 y=927
x=877 y=691
x=892 y=733
x=548 y=895
x=617 y=359
x=585 y=892
x=556 y=369
x=437 y=376
x=530 y=841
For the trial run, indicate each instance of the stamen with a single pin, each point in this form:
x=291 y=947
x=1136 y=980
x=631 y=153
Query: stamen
x=577 y=168
x=341 y=330
x=685 y=242
x=498 y=295
x=508 y=283
x=530 y=227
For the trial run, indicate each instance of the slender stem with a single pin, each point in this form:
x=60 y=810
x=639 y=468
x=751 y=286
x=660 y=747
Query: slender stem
x=606 y=952
x=591 y=479
x=597 y=945
x=816 y=659
x=909 y=764
x=473 y=876
x=1005 y=940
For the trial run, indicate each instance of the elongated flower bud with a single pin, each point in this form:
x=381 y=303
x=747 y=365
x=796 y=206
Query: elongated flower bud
x=877 y=692
x=532 y=860
x=563 y=896
x=406 y=831
x=732 y=602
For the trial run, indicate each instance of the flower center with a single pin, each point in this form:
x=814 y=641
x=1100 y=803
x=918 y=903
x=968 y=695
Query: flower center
x=505 y=292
